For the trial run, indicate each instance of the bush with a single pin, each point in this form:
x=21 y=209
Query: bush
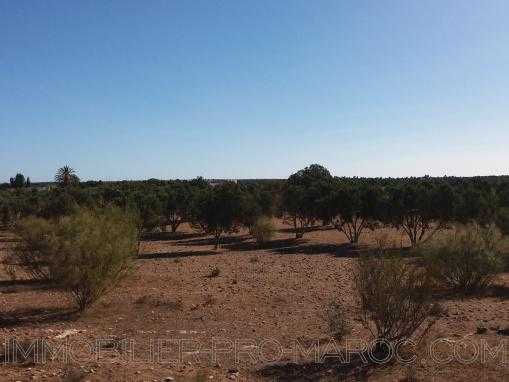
x=215 y=272
x=394 y=297
x=466 y=261
x=86 y=253
x=336 y=319
x=263 y=230
x=33 y=252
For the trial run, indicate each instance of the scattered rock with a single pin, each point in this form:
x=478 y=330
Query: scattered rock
x=504 y=331
x=66 y=333
x=233 y=373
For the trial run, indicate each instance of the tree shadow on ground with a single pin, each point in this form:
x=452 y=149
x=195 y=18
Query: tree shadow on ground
x=224 y=241
x=271 y=245
x=22 y=317
x=300 y=246
x=494 y=291
x=169 y=236
x=13 y=286
x=334 y=367
x=177 y=254
x=338 y=250
x=307 y=229
x=498 y=291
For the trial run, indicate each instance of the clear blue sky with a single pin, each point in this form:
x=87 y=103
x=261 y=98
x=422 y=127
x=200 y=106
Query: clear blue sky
x=246 y=89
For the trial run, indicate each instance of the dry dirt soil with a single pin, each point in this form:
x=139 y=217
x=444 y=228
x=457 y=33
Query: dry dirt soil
x=189 y=313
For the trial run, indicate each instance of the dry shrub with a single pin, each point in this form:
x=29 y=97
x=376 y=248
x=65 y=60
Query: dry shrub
x=338 y=324
x=467 y=260
x=215 y=272
x=382 y=240
x=85 y=254
x=10 y=269
x=394 y=297
x=33 y=252
x=263 y=230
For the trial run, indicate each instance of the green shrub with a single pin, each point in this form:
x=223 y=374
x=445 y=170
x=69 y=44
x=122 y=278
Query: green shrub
x=33 y=253
x=394 y=297
x=467 y=260
x=86 y=253
x=263 y=230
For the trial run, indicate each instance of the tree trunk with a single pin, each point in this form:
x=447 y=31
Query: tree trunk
x=297 y=235
x=218 y=241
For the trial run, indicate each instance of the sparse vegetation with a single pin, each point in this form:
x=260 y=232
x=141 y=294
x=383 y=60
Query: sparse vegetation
x=215 y=272
x=263 y=230
x=34 y=253
x=394 y=297
x=467 y=260
x=338 y=323
x=80 y=238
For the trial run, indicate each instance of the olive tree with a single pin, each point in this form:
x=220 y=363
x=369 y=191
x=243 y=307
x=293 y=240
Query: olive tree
x=176 y=206
x=353 y=208
x=219 y=210
x=419 y=209
x=300 y=201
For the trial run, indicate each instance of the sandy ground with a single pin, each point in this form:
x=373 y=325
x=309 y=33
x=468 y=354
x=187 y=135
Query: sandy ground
x=262 y=317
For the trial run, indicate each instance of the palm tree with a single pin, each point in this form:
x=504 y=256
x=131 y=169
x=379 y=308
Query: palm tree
x=66 y=176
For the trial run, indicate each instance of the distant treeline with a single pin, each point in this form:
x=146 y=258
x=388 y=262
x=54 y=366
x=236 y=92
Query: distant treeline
x=417 y=206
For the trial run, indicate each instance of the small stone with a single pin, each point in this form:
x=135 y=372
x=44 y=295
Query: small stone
x=503 y=332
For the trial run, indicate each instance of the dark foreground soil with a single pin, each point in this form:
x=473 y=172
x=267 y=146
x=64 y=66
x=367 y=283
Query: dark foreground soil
x=259 y=316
